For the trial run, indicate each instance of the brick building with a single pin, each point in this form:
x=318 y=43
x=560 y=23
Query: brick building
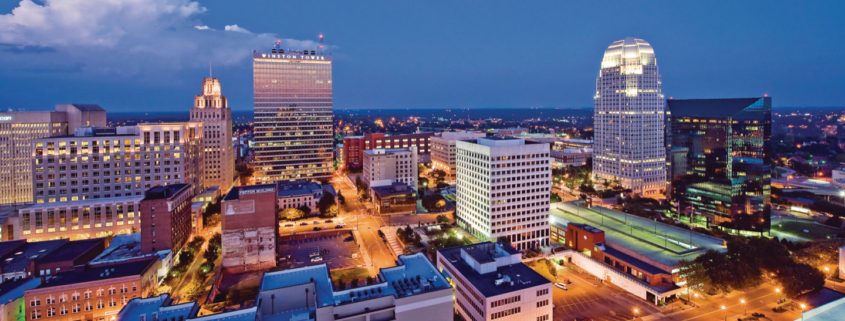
x=250 y=228
x=354 y=146
x=166 y=217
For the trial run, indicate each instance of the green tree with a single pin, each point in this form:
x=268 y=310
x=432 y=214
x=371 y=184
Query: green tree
x=327 y=205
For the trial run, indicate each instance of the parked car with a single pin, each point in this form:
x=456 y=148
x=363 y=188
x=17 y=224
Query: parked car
x=561 y=286
x=303 y=223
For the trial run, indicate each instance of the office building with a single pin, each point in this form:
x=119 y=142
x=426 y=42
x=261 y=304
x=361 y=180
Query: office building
x=75 y=220
x=384 y=166
x=113 y=162
x=18 y=131
x=721 y=161
x=492 y=283
x=396 y=198
x=212 y=110
x=250 y=228
x=293 y=115
x=410 y=291
x=296 y=194
x=629 y=120
x=93 y=293
x=503 y=188
x=354 y=146
x=443 y=150
x=166 y=217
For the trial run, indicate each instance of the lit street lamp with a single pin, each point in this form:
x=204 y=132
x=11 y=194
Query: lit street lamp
x=725 y=310
x=744 y=306
x=803 y=308
x=636 y=312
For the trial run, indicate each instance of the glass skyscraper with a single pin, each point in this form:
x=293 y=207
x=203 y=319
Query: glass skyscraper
x=721 y=161
x=293 y=115
x=629 y=120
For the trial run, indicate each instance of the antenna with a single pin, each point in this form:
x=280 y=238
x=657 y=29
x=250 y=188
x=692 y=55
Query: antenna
x=210 y=73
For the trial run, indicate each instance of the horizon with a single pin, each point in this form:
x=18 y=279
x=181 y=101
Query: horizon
x=395 y=56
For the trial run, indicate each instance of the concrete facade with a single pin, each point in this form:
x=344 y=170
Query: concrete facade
x=383 y=166
x=75 y=220
x=443 y=150
x=212 y=109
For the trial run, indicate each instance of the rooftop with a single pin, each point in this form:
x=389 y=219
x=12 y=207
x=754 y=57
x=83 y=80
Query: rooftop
x=14 y=289
x=395 y=188
x=73 y=249
x=165 y=191
x=297 y=188
x=236 y=192
x=19 y=255
x=507 y=277
x=388 y=151
x=97 y=272
x=162 y=305
x=713 y=108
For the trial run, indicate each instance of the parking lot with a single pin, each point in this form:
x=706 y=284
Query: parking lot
x=588 y=299
x=337 y=248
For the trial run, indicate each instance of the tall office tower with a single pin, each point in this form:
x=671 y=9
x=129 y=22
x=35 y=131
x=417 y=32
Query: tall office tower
x=166 y=217
x=18 y=131
x=721 y=161
x=443 y=150
x=112 y=162
x=629 y=119
x=503 y=187
x=212 y=109
x=293 y=115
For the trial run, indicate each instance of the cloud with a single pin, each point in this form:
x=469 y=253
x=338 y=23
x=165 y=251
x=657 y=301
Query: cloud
x=131 y=38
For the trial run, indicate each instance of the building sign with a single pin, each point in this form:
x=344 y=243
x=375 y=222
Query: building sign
x=5 y=117
x=255 y=191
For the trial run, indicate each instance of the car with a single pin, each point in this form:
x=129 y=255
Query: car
x=328 y=221
x=339 y=226
x=315 y=222
x=317 y=259
x=317 y=228
x=303 y=223
x=288 y=225
x=561 y=286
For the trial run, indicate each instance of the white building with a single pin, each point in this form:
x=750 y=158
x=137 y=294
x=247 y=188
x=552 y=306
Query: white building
x=492 y=283
x=212 y=109
x=114 y=162
x=76 y=220
x=384 y=166
x=629 y=119
x=18 y=131
x=443 y=150
x=293 y=115
x=503 y=187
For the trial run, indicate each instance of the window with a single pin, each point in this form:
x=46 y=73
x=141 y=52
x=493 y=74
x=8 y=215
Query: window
x=542 y=303
x=543 y=318
x=542 y=292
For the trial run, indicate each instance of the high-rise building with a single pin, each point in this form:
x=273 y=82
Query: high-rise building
x=384 y=166
x=166 y=217
x=443 y=150
x=503 y=187
x=721 y=161
x=212 y=109
x=112 y=162
x=18 y=131
x=293 y=115
x=629 y=120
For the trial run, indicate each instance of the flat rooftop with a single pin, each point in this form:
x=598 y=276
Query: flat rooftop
x=162 y=305
x=662 y=244
x=73 y=249
x=92 y=273
x=236 y=192
x=19 y=255
x=508 y=278
x=297 y=188
x=164 y=191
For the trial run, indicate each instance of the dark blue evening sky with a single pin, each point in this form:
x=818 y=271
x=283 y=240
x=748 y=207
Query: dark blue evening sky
x=399 y=54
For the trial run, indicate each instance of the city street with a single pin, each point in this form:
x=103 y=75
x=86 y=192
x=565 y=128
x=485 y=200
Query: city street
x=356 y=215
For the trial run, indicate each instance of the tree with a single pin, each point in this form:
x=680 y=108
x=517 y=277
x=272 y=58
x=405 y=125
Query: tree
x=799 y=279
x=292 y=214
x=305 y=210
x=327 y=206
x=442 y=219
x=695 y=275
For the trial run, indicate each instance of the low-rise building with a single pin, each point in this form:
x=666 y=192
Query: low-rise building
x=296 y=194
x=396 y=198
x=410 y=291
x=92 y=293
x=250 y=228
x=75 y=220
x=443 y=150
x=69 y=256
x=127 y=248
x=12 y=305
x=571 y=157
x=355 y=146
x=166 y=217
x=384 y=166
x=17 y=257
x=492 y=283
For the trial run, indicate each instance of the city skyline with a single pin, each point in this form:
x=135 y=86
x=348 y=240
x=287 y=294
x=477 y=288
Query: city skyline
x=423 y=63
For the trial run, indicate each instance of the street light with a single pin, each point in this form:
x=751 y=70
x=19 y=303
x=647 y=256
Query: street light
x=725 y=310
x=803 y=307
x=744 y=306
x=636 y=312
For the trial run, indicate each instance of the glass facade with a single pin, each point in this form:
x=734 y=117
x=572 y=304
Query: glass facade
x=293 y=115
x=721 y=166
